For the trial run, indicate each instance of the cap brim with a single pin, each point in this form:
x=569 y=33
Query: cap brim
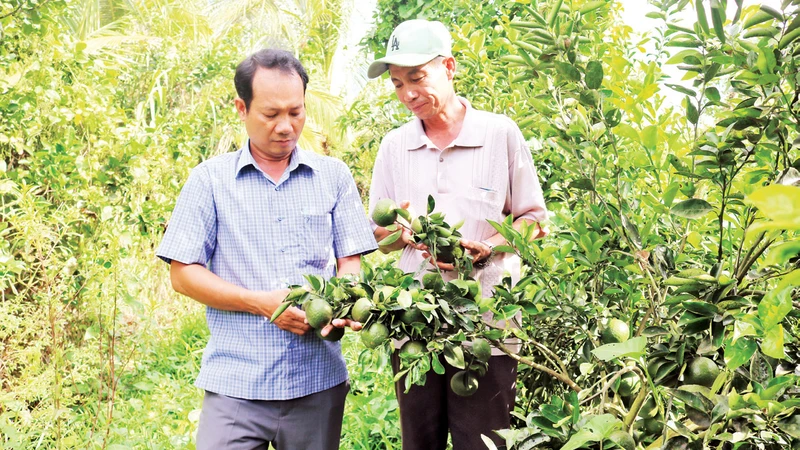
x=377 y=68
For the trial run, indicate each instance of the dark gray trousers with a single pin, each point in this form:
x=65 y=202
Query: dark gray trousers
x=428 y=412
x=313 y=422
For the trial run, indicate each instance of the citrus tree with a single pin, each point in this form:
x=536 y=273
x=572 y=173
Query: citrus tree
x=665 y=298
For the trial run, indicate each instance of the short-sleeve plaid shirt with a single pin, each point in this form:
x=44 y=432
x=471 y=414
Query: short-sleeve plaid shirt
x=263 y=235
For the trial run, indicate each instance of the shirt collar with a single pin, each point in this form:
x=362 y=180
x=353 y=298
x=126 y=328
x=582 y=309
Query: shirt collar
x=472 y=134
x=299 y=156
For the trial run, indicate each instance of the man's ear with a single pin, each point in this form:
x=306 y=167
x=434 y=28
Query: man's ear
x=241 y=108
x=450 y=66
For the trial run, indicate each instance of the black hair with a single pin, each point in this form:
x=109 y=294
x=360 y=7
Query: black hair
x=268 y=58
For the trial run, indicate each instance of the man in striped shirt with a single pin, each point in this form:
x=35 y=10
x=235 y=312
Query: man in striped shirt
x=246 y=225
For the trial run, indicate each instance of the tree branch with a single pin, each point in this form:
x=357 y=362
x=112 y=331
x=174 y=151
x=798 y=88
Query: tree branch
x=561 y=377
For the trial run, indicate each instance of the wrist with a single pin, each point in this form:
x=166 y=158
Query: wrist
x=262 y=303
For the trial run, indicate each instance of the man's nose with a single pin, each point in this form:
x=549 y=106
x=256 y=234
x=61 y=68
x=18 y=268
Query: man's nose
x=284 y=125
x=411 y=94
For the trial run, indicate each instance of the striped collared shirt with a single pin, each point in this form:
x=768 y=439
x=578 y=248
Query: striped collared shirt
x=265 y=235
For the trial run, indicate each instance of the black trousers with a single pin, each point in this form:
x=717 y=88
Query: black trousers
x=428 y=412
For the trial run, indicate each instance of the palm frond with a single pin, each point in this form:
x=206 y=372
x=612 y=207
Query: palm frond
x=224 y=14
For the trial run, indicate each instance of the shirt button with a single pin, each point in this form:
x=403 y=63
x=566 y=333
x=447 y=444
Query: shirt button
x=277 y=188
x=283 y=250
x=441 y=159
x=280 y=219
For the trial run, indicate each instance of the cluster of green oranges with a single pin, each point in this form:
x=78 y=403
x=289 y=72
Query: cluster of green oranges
x=431 y=230
x=436 y=318
x=433 y=317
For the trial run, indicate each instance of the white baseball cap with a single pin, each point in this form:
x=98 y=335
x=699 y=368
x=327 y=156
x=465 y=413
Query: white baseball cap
x=412 y=43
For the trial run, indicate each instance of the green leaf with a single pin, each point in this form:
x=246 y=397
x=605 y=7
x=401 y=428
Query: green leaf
x=772 y=12
x=404 y=299
x=783 y=253
x=568 y=71
x=633 y=348
x=702 y=308
x=390 y=239
x=316 y=282
x=773 y=387
x=693 y=399
x=594 y=74
x=757 y=18
x=713 y=94
x=738 y=11
x=402 y=212
x=597 y=429
x=580 y=439
x=551 y=17
x=740 y=352
x=718 y=19
x=694 y=323
x=720 y=410
x=591 y=6
x=794 y=24
x=767 y=31
x=772 y=345
x=694 y=208
x=431 y=204
x=437 y=365
x=625 y=130
x=144 y=386
x=681 y=89
x=684 y=55
x=650 y=137
x=583 y=184
x=454 y=356
x=91 y=332
x=701 y=15
x=778 y=202
x=788 y=38
x=691 y=112
x=774 y=307
x=279 y=310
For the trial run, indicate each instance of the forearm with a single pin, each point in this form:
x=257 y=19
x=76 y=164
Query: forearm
x=348 y=265
x=202 y=285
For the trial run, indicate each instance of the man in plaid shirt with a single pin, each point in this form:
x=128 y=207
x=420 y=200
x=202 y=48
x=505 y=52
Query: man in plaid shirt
x=246 y=225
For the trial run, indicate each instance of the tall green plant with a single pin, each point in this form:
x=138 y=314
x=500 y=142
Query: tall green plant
x=103 y=112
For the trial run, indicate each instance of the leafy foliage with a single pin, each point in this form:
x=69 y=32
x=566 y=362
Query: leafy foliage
x=678 y=221
x=104 y=108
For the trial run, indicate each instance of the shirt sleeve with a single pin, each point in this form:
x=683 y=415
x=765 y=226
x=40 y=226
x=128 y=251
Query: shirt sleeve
x=192 y=230
x=382 y=185
x=352 y=234
x=525 y=198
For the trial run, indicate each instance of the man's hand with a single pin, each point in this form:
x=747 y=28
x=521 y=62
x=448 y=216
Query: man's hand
x=340 y=323
x=292 y=320
x=478 y=250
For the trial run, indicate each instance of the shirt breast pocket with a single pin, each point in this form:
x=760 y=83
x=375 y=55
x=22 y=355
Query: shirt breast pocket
x=485 y=203
x=317 y=239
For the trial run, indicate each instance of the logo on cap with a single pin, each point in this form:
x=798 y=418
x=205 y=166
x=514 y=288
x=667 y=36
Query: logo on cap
x=395 y=44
